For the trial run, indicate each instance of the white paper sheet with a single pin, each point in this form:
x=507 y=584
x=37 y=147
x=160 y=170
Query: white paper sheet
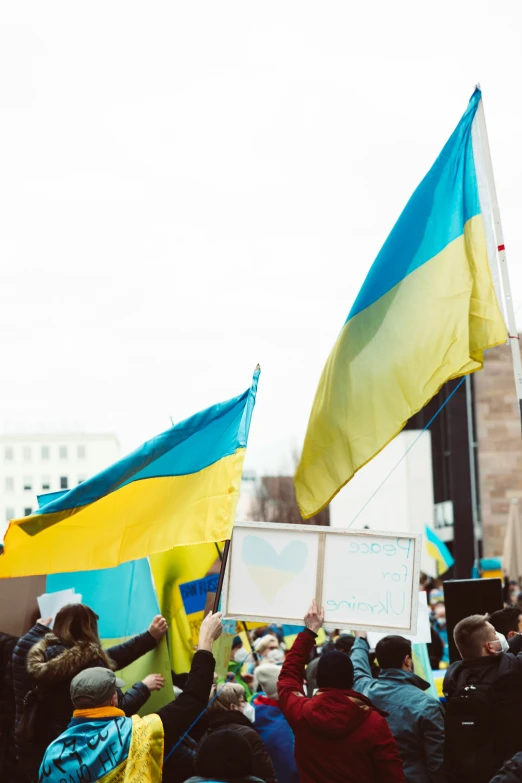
x=51 y=603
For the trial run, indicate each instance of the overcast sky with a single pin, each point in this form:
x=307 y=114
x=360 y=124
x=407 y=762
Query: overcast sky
x=189 y=188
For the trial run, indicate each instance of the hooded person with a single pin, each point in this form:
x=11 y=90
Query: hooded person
x=272 y=725
x=224 y=757
x=339 y=736
x=102 y=744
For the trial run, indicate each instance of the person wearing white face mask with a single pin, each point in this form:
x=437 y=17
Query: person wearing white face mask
x=483 y=702
x=228 y=709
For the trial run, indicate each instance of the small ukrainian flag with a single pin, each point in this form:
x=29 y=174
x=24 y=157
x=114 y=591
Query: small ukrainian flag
x=439 y=551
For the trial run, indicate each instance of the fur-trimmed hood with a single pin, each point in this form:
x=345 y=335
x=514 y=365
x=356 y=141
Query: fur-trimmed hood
x=51 y=661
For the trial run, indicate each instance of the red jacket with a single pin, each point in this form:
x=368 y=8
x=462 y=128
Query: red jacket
x=339 y=736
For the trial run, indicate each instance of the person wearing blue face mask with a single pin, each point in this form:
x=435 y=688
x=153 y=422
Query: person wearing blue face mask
x=483 y=703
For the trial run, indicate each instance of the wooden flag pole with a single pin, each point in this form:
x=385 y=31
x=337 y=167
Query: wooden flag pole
x=219 y=589
x=501 y=250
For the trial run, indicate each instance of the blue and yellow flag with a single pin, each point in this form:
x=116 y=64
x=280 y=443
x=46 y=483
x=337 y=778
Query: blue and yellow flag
x=178 y=488
x=425 y=314
x=439 y=551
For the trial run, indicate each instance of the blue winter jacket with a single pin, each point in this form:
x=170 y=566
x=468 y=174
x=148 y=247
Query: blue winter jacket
x=278 y=738
x=416 y=719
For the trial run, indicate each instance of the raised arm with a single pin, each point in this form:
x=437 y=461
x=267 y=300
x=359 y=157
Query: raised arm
x=178 y=716
x=128 y=652
x=361 y=665
x=290 y=685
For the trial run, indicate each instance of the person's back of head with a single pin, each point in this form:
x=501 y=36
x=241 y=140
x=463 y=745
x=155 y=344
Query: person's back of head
x=394 y=652
x=335 y=670
x=266 y=675
x=475 y=637
x=223 y=755
x=506 y=621
x=230 y=696
x=76 y=623
x=95 y=687
x=344 y=643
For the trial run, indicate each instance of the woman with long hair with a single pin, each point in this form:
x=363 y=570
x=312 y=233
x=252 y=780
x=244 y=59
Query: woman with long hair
x=45 y=662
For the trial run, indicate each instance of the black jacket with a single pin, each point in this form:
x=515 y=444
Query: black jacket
x=503 y=676
x=248 y=779
x=8 y=770
x=40 y=659
x=235 y=720
x=511 y=771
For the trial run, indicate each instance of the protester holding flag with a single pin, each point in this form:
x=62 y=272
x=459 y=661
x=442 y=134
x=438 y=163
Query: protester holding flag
x=45 y=662
x=102 y=744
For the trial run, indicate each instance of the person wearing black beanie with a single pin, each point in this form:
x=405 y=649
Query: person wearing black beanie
x=339 y=735
x=335 y=670
x=224 y=757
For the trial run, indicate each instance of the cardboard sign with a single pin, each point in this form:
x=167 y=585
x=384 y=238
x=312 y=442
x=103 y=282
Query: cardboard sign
x=194 y=597
x=365 y=580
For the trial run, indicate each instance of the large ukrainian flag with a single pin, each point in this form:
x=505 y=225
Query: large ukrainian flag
x=179 y=488
x=425 y=313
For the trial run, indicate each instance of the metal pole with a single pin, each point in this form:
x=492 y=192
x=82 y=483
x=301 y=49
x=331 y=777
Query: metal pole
x=472 y=470
x=499 y=236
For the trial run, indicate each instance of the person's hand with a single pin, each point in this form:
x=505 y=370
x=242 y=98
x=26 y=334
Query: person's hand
x=360 y=634
x=47 y=622
x=314 y=618
x=211 y=629
x=158 y=627
x=154 y=682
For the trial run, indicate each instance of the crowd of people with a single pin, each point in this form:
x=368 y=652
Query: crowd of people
x=315 y=712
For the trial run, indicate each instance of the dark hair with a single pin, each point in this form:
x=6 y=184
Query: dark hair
x=224 y=754
x=344 y=643
x=506 y=620
x=391 y=651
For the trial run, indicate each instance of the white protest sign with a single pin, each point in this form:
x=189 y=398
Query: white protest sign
x=423 y=635
x=50 y=604
x=364 y=579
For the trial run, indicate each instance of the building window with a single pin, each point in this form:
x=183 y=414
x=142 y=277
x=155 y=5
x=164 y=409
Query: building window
x=81 y=452
x=9 y=484
x=45 y=452
x=46 y=483
x=27 y=453
x=81 y=479
x=27 y=510
x=28 y=483
x=8 y=452
x=64 y=483
x=9 y=514
x=63 y=452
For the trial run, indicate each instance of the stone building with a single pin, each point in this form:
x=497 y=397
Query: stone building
x=499 y=440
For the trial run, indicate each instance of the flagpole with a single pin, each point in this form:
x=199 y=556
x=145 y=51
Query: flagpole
x=221 y=579
x=501 y=253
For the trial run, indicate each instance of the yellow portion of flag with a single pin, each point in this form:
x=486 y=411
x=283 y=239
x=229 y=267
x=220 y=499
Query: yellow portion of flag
x=393 y=357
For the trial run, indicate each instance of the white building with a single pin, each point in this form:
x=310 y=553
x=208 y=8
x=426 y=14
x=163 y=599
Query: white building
x=393 y=492
x=32 y=465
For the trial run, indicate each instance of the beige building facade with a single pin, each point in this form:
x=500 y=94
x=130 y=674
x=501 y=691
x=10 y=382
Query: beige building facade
x=499 y=441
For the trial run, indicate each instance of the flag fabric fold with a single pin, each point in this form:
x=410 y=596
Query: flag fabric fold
x=438 y=550
x=178 y=488
x=426 y=313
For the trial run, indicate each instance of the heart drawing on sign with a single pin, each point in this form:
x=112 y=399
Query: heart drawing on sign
x=269 y=570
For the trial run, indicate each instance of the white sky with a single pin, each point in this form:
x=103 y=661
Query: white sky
x=187 y=189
